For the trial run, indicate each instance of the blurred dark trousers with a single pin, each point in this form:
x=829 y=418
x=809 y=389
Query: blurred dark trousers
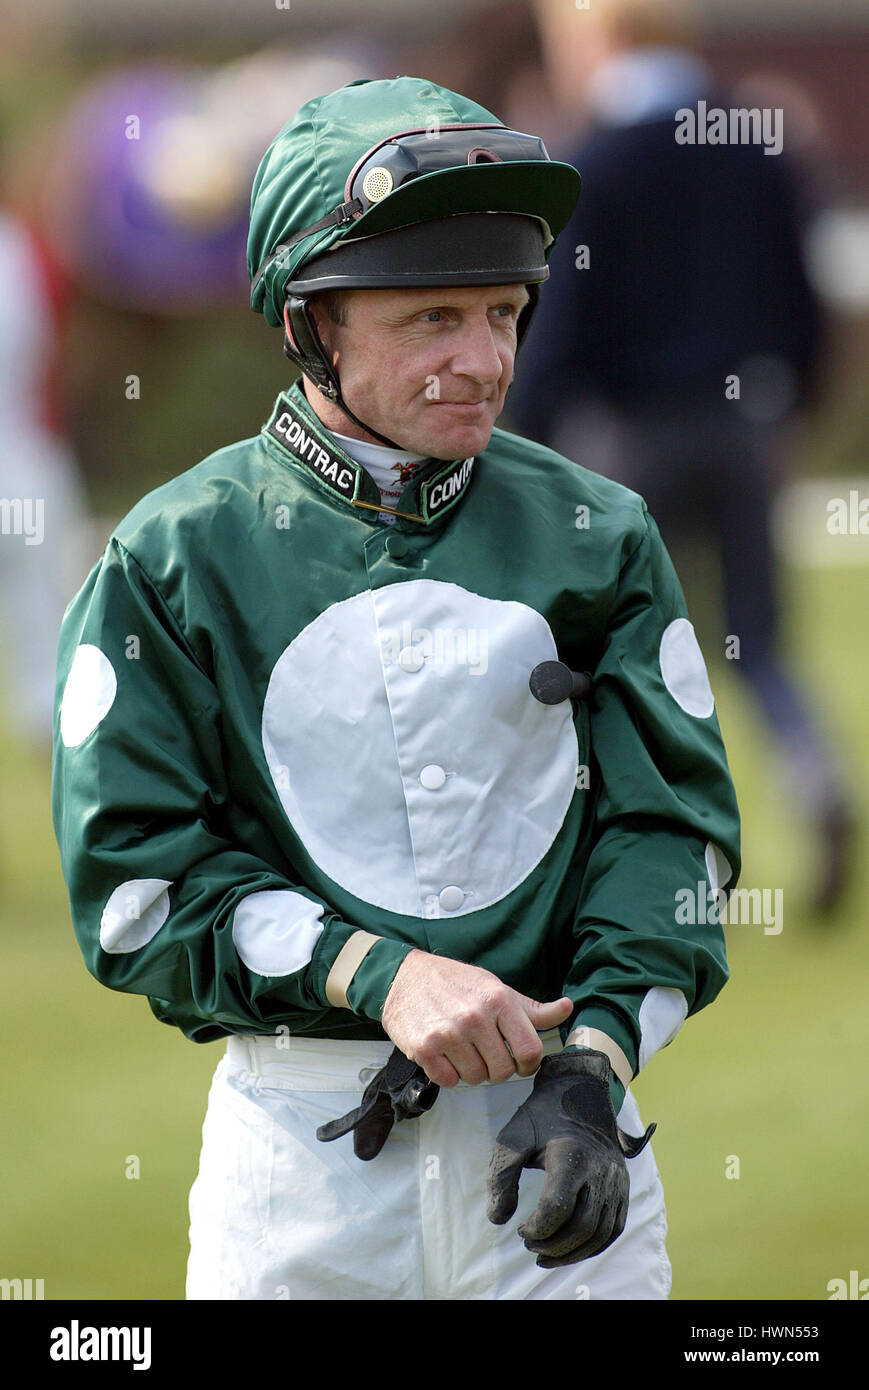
x=705 y=473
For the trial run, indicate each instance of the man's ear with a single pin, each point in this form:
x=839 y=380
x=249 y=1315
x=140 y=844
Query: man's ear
x=324 y=327
x=288 y=330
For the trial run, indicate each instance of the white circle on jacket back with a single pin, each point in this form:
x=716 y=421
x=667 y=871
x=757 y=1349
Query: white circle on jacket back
x=346 y=730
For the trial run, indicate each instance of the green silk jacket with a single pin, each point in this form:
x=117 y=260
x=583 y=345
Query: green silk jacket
x=288 y=732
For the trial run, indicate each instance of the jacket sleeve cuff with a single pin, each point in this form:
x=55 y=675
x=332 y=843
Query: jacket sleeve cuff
x=362 y=972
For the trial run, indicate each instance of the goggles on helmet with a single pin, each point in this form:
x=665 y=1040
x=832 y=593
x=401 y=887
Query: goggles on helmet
x=397 y=159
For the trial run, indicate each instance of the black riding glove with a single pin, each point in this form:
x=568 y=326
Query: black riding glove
x=568 y=1128
x=400 y=1091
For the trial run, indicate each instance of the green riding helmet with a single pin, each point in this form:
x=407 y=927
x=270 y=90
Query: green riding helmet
x=392 y=183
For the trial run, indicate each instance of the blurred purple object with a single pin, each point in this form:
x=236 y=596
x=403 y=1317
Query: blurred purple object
x=148 y=200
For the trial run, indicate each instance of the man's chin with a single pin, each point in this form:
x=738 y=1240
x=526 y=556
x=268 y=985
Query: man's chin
x=453 y=437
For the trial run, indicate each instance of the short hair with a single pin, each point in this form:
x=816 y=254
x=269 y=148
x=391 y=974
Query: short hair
x=628 y=23
x=336 y=304
x=640 y=23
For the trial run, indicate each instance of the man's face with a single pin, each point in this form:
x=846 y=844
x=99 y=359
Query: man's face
x=429 y=368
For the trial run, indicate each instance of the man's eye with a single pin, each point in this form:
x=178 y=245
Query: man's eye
x=504 y=311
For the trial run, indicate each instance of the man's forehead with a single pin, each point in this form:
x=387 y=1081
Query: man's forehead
x=467 y=295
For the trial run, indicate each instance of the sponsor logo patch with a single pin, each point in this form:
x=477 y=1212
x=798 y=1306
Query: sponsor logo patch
x=447 y=487
x=294 y=433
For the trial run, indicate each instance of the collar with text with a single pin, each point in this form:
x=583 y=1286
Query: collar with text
x=435 y=488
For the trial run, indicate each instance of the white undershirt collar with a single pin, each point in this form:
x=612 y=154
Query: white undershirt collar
x=384 y=465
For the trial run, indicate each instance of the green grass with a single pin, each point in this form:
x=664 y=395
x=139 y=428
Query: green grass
x=772 y=1073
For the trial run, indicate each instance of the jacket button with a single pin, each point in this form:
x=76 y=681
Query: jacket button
x=397 y=547
x=432 y=777
x=411 y=658
x=451 y=898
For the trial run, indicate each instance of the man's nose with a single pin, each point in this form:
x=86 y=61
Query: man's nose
x=475 y=352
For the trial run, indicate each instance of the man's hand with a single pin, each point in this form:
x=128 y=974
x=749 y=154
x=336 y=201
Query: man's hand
x=566 y=1127
x=461 y=1023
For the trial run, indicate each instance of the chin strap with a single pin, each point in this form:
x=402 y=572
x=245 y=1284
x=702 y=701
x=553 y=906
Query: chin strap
x=342 y=405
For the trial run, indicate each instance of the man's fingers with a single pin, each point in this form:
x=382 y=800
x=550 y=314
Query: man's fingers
x=596 y=1220
x=498 y=1058
x=574 y=1244
x=564 y=1176
x=549 y=1015
x=518 y=1022
x=519 y=1034
x=440 y=1070
x=576 y=1232
x=503 y=1184
x=469 y=1065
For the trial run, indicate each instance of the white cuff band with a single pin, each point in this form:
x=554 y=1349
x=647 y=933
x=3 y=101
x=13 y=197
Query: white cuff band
x=583 y=1036
x=345 y=965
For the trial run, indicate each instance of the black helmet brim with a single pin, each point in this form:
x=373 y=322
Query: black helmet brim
x=467 y=249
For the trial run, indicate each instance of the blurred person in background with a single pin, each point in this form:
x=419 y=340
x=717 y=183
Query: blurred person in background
x=681 y=270
x=43 y=504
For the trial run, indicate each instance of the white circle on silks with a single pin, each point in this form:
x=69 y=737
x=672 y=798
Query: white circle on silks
x=684 y=670
x=134 y=914
x=348 y=727
x=88 y=694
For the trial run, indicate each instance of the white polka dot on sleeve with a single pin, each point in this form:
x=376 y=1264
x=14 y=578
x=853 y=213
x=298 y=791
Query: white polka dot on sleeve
x=684 y=670
x=88 y=695
x=134 y=914
x=275 y=931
